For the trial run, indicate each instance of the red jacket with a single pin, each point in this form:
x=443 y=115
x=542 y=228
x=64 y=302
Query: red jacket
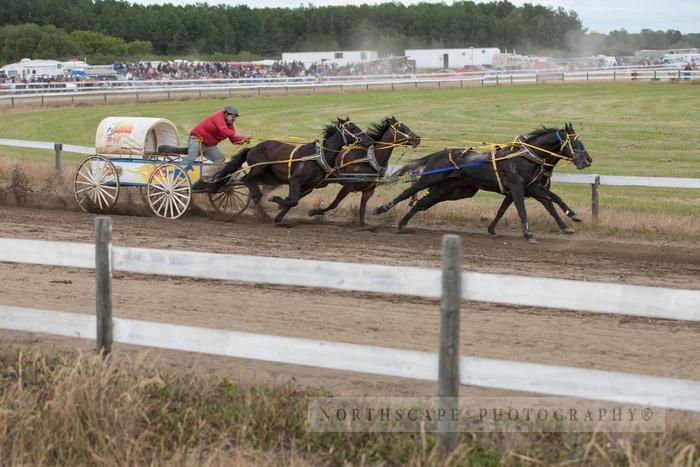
x=213 y=129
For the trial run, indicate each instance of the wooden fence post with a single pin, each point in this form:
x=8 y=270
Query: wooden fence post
x=58 y=148
x=103 y=283
x=448 y=373
x=595 y=199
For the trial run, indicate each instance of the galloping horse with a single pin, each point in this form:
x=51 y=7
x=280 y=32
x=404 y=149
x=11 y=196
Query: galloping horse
x=515 y=171
x=303 y=167
x=356 y=166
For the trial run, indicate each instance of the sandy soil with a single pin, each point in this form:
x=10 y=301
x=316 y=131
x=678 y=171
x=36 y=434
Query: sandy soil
x=656 y=347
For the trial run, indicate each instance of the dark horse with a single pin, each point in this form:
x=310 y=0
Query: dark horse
x=516 y=171
x=356 y=167
x=303 y=166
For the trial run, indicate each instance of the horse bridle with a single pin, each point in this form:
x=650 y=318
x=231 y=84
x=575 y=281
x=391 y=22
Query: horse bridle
x=342 y=128
x=564 y=143
x=395 y=128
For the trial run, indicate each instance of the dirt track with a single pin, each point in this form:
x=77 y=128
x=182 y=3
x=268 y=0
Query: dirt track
x=657 y=347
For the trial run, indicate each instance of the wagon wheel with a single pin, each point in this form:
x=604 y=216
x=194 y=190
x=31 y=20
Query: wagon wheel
x=169 y=191
x=231 y=201
x=143 y=189
x=96 y=184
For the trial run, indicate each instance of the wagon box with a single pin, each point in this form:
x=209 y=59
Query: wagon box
x=144 y=152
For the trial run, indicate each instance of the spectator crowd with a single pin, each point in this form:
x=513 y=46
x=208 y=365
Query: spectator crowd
x=182 y=69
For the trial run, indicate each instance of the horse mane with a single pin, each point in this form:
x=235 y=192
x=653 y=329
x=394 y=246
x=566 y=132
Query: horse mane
x=377 y=130
x=328 y=130
x=538 y=132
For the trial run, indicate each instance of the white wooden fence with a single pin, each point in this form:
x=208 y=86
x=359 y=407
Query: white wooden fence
x=649 y=302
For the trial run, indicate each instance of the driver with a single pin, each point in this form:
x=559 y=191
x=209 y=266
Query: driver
x=208 y=133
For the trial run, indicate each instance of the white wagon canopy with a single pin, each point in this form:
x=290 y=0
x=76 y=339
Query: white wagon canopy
x=134 y=136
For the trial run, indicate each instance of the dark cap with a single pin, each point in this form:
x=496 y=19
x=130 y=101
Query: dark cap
x=229 y=109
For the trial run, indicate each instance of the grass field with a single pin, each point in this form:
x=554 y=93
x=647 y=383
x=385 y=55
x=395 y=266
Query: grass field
x=59 y=410
x=642 y=129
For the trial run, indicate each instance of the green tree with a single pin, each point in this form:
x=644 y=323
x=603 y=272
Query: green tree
x=33 y=41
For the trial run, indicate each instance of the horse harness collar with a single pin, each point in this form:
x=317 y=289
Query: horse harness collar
x=319 y=156
x=546 y=168
x=371 y=157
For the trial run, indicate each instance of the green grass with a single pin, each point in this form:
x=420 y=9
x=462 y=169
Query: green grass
x=641 y=129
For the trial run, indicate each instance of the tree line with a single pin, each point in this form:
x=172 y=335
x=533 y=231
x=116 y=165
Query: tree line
x=107 y=30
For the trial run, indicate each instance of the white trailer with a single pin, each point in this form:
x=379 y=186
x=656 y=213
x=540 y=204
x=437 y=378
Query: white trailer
x=339 y=57
x=452 y=58
x=28 y=68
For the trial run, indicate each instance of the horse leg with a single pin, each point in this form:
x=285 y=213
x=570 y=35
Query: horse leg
x=291 y=201
x=567 y=210
x=366 y=195
x=293 y=196
x=426 y=202
x=517 y=191
x=407 y=193
x=256 y=197
x=544 y=196
x=547 y=203
x=338 y=198
x=505 y=204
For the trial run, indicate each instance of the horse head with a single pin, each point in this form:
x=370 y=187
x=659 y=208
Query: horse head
x=572 y=147
x=560 y=144
x=402 y=134
x=352 y=134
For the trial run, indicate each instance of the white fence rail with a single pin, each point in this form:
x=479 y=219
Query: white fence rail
x=43 y=93
x=500 y=374
x=596 y=297
x=489 y=373
x=22 y=143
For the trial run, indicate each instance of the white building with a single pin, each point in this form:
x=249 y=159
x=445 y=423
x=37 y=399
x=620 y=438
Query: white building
x=28 y=68
x=512 y=61
x=681 y=58
x=452 y=58
x=339 y=57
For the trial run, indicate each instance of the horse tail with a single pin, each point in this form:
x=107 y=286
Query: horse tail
x=236 y=162
x=413 y=166
x=222 y=177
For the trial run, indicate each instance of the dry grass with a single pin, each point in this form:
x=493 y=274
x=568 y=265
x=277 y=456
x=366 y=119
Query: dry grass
x=35 y=184
x=62 y=410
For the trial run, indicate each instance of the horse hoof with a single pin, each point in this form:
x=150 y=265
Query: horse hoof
x=315 y=212
x=575 y=218
x=532 y=241
x=569 y=231
x=403 y=230
x=367 y=228
x=284 y=224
